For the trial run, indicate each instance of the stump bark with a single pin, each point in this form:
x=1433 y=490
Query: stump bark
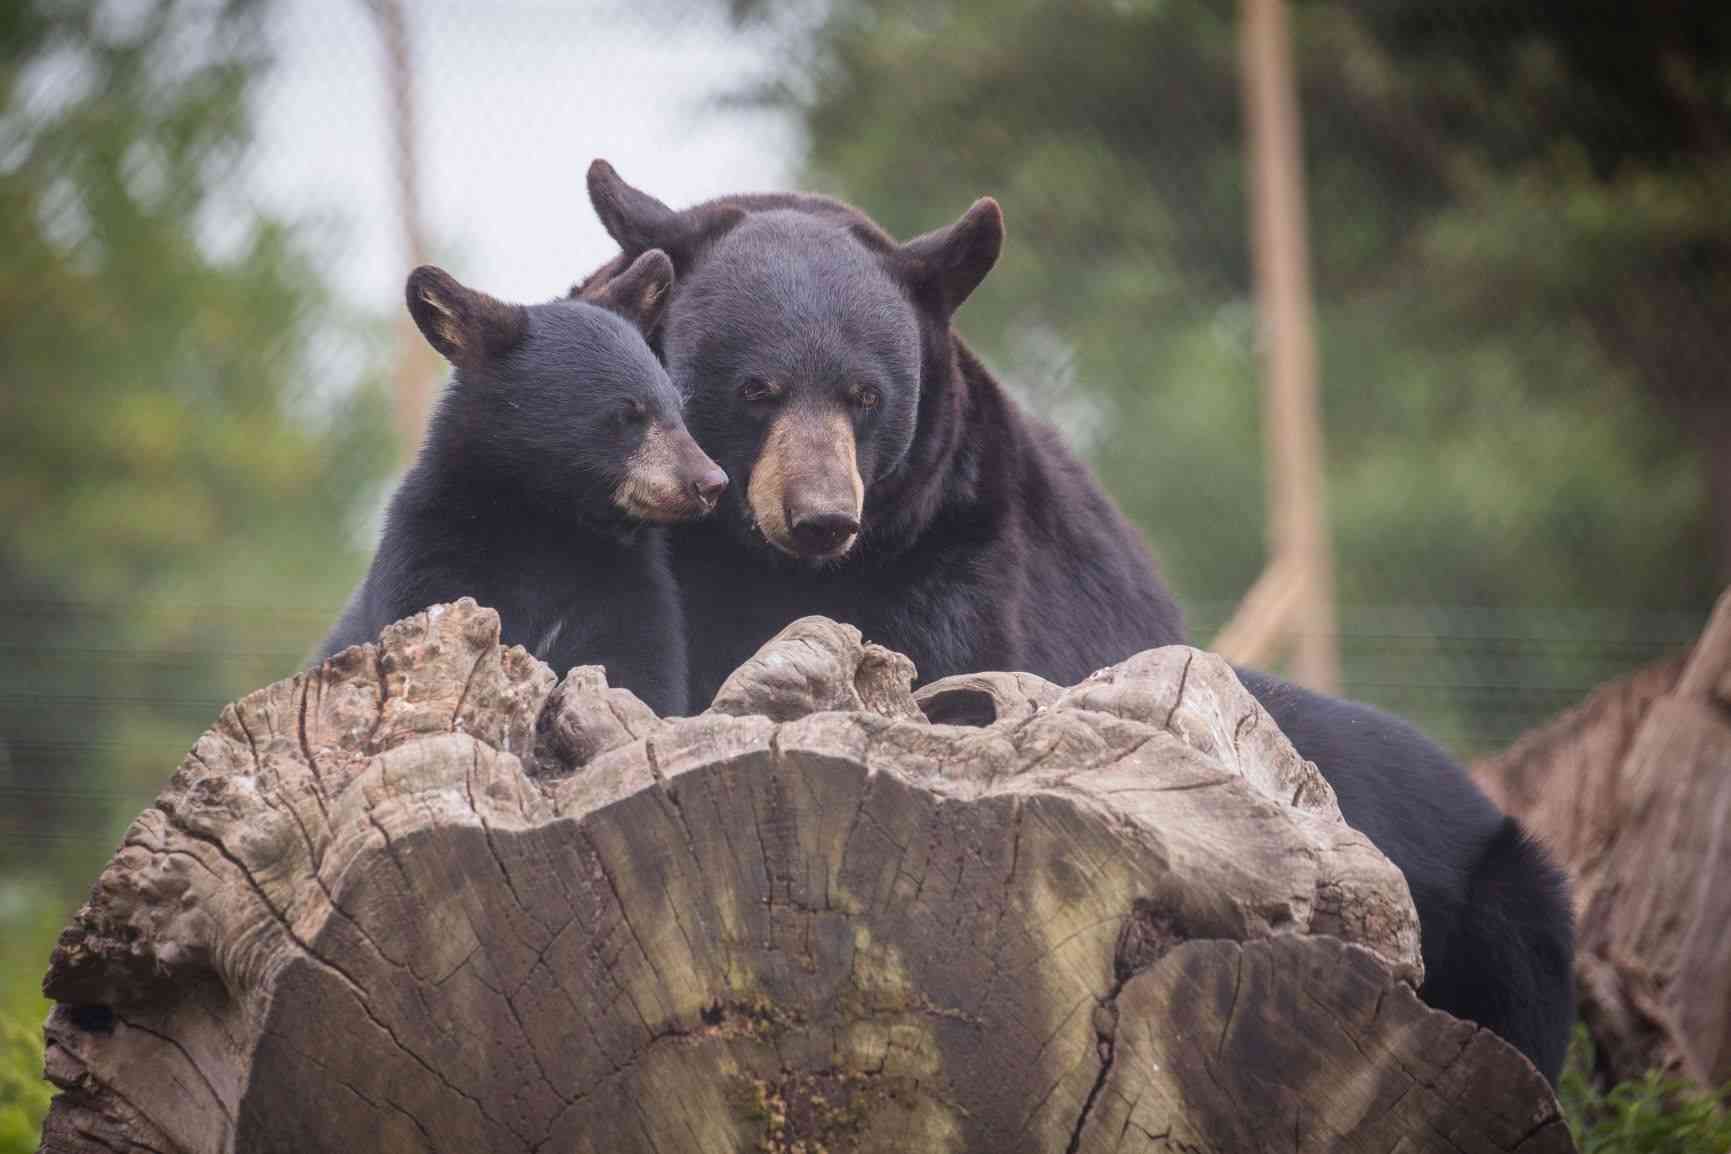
x=1632 y=790
x=422 y=899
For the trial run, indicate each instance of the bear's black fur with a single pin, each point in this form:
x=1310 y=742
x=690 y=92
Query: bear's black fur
x=821 y=370
x=557 y=439
x=1494 y=921
x=959 y=531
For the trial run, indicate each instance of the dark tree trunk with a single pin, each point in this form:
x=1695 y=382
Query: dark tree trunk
x=1633 y=790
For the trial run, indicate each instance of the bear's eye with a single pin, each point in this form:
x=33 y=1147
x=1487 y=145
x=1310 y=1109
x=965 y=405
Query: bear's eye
x=759 y=390
x=632 y=411
x=867 y=397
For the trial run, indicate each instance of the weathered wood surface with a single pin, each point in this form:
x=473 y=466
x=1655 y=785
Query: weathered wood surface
x=421 y=900
x=1632 y=789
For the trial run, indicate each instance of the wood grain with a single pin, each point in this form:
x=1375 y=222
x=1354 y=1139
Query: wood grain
x=421 y=899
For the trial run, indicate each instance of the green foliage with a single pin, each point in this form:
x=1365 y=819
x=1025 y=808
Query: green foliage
x=190 y=423
x=191 y=428
x=24 y=916
x=23 y=1094
x=1520 y=257
x=1654 y=1115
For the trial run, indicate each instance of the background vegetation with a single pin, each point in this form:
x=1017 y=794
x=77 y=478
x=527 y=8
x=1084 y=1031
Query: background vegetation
x=1522 y=259
x=184 y=416
x=1522 y=263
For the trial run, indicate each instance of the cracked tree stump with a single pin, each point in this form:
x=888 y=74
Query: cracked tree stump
x=1632 y=789
x=421 y=899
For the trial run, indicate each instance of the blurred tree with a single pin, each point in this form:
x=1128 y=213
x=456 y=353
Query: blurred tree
x=1522 y=259
x=183 y=412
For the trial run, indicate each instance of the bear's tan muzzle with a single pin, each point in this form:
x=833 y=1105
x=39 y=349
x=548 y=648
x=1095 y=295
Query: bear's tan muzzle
x=806 y=493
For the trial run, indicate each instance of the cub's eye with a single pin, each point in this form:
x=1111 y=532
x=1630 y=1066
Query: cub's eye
x=867 y=397
x=759 y=390
x=632 y=411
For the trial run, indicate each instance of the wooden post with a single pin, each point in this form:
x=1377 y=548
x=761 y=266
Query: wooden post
x=1300 y=552
x=415 y=366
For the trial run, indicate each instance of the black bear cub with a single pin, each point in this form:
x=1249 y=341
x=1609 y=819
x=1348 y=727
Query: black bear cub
x=557 y=443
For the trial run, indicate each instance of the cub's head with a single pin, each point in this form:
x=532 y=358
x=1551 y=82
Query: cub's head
x=565 y=399
x=811 y=348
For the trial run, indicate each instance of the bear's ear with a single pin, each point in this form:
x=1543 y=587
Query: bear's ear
x=947 y=265
x=632 y=217
x=639 y=222
x=639 y=294
x=465 y=326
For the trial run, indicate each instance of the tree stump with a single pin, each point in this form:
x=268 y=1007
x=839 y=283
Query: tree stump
x=422 y=899
x=1632 y=789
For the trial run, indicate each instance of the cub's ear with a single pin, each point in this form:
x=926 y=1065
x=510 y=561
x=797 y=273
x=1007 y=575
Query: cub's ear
x=639 y=222
x=465 y=326
x=949 y=264
x=639 y=294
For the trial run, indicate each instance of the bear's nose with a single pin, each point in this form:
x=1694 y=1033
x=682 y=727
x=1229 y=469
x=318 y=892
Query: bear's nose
x=819 y=533
x=710 y=486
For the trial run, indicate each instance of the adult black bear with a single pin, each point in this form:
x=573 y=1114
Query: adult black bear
x=558 y=438
x=894 y=485
x=885 y=478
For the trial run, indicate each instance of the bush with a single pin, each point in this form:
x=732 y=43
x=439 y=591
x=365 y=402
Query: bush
x=23 y=1094
x=1651 y=1115
x=29 y=920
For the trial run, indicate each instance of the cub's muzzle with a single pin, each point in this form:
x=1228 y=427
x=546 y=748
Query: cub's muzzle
x=669 y=478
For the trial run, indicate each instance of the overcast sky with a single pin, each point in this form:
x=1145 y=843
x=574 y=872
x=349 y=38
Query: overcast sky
x=515 y=97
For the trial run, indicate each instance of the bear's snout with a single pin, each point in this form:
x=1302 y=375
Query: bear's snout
x=806 y=493
x=669 y=478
